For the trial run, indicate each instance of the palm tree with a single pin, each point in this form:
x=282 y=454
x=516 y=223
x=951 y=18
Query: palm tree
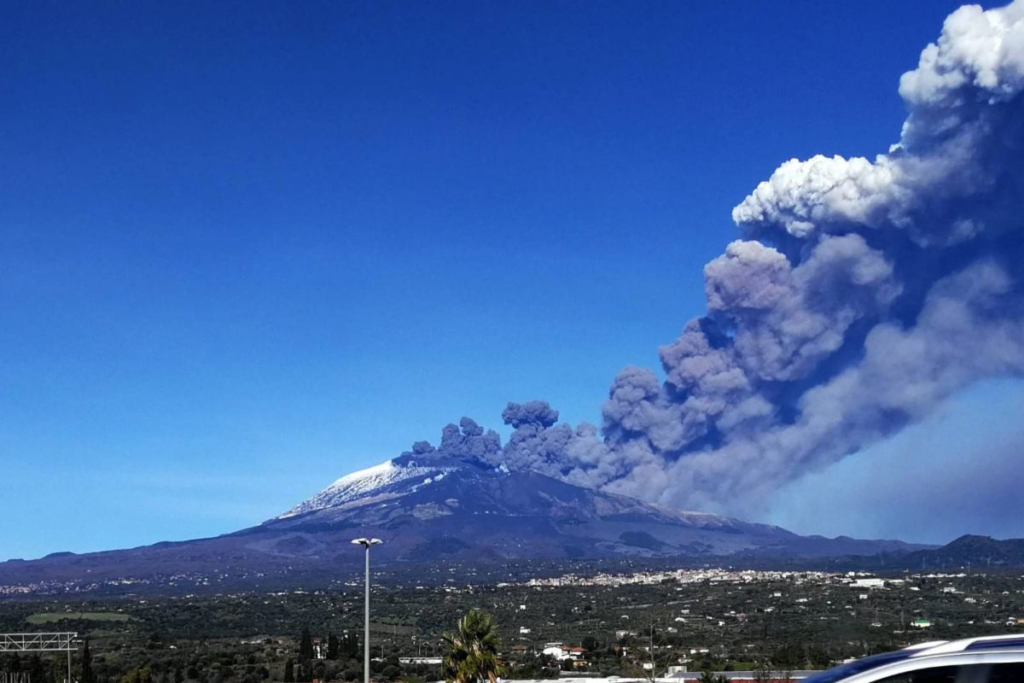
x=473 y=650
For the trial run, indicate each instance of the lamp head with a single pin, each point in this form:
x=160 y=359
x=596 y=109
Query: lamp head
x=366 y=542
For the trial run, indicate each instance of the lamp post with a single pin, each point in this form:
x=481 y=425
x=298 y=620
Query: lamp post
x=366 y=543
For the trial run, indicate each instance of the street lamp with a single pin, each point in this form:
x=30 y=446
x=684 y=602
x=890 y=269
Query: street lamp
x=366 y=543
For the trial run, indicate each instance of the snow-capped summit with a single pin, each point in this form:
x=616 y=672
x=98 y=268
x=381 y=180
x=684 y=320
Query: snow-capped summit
x=370 y=482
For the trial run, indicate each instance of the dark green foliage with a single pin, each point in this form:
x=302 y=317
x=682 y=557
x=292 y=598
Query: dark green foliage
x=762 y=671
x=140 y=674
x=350 y=646
x=87 y=676
x=289 y=672
x=794 y=622
x=333 y=648
x=35 y=669
x=818 y=658
x=790 y=656
x=306 y=646
x=709 y=677
x=472 y=650
x=533 y=666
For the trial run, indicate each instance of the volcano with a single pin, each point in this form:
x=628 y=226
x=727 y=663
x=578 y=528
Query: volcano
x=430 y=510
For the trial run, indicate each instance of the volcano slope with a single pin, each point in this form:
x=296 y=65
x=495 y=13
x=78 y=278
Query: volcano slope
x=429 y=511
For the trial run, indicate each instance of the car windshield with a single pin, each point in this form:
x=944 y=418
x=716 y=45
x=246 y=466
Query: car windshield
x=858 y=666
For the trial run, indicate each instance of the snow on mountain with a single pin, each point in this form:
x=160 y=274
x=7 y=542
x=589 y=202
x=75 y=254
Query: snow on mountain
x=404 y=475
x=365 y=482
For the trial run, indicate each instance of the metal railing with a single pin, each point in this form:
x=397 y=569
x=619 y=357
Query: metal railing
x=38 y=642
x=41 y=642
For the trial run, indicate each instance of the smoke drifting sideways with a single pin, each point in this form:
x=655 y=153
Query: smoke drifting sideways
x=862 y=294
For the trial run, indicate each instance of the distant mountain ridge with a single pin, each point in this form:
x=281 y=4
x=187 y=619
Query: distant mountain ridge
x=980 y=552
x=434 y=508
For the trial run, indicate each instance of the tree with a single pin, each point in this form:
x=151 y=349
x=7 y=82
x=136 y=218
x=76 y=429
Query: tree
x=140 y=674
x=34 y=669
x=332 y=646
x=789 y=656
x=818 y=657
x=708 y=677
x=350 y=645
x=763 y=670
x=306 y=645
x=87 y=673
x=289 y=671
x=472 y=655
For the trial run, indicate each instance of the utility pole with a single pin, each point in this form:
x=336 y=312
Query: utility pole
x=366 y=543
x=654 y=673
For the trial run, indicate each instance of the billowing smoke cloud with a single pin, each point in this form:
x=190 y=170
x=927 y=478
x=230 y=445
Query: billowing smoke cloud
x=862 y=295
x=465 y=440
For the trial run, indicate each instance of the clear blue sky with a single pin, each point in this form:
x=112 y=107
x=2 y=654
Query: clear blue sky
x=246 y=248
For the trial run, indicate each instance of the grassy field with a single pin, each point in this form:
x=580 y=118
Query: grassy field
x=54 y=617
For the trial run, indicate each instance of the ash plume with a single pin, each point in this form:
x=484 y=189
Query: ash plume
x=863 y=293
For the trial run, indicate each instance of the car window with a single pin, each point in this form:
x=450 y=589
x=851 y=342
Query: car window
x=942 y=674
x=1007 y=673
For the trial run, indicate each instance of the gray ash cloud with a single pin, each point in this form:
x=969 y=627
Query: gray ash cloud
x=863 y=293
